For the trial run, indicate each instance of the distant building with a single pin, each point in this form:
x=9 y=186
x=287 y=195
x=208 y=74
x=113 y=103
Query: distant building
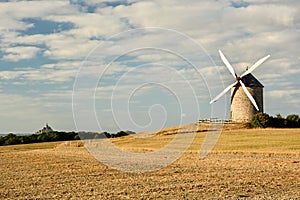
x=45 y=129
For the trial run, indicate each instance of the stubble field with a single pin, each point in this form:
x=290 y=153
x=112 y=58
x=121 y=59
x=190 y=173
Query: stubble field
x=245 y=164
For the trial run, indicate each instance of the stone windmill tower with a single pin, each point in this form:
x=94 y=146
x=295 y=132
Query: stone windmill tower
x=242 y=109
x=246 y=92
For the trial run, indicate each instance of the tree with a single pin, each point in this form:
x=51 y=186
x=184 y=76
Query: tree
x=276 y=122
x=260 y=120
x=11 y=139
x=279 y=121
x=292 y=121
x=2 y=140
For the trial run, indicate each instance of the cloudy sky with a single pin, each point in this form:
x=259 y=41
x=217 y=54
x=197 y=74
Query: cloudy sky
x=140 y=65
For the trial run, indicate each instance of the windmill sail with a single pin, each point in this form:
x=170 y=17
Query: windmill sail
x=239 y=79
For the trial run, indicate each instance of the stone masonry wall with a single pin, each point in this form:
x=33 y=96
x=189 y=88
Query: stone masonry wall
x=242 y=110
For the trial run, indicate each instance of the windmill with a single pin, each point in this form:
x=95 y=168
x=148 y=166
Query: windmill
x=246 y=92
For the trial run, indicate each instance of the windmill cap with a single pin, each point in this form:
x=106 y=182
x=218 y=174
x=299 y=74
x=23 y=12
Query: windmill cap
x=250 y=81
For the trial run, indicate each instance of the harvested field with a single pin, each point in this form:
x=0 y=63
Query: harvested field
x=245 y=164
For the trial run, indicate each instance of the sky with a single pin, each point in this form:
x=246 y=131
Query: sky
x=140 y=65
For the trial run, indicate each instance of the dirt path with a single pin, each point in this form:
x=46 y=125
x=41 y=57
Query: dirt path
x=72 y=173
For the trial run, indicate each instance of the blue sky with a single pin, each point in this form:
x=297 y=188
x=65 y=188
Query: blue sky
x=157 y=77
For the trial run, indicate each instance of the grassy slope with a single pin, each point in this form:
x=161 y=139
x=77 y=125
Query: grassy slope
x=236 y=140
x=271 y=140
x=239 y=140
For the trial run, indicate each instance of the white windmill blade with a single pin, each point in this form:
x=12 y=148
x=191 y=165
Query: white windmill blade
x=249 y=95
x=228 y=65
x=223 y=92
x=253 y=67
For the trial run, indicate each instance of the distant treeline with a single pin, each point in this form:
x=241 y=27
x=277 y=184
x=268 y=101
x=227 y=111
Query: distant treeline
x=263 y=120
x=12 y=139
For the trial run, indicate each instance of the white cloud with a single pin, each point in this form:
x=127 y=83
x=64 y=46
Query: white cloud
x=28 y=114
x=12 y=14
x=15 y=54
x=34 y=9
x=49 y=76
x=89 y=25
x=284 y=101
x=244 y=34
x=168 y=14
x=283 y=93
x=68 y=48
x=9 y=75
x=214 y=24
x=48 y=73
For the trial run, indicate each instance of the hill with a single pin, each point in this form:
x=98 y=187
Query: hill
x=246 y=163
